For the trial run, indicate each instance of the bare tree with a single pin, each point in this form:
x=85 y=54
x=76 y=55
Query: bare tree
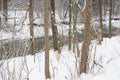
x=0 y=5
x=46 y=24
x=31 y=26
x=70 y=23
x=110 y=14
x=75 y=38
x=5 y=8
x=86 y=36
x=105 y=8
x=54 y=27
x=0 y=14
x=101 y=26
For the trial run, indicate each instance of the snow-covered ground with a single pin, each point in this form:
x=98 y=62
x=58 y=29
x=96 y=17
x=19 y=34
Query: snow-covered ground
x=63 y=67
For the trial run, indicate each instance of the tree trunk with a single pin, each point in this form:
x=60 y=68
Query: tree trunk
x=113 y=7
x=31 y=27
x=46 y=24
x=0 y=5
x=5 y=2
x=54 y=27
x=86 y=37
x=0 y=16
x=105 y=8
x=70 y=23
x=110 y=16
x=101 y=26
x=74 y=26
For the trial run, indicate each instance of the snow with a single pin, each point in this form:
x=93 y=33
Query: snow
x=39 y=29
x=107 y=55
x=61 y=69
x=62 y=66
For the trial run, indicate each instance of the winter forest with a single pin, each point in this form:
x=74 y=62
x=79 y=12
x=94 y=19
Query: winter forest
x=59 y=39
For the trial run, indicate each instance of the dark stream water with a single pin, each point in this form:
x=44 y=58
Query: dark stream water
x=19 y=47
x=13 y=48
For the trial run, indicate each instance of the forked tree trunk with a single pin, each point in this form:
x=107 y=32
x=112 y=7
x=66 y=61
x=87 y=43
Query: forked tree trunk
x=86 y=37
x=31 y=27
x=46 y=24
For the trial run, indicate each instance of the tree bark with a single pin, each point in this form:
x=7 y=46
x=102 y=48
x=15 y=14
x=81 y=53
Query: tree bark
x=5 y=8
x=0 y=5
x=105 y=8
x=54 y=27
x=86 y=37
x=110 y=16
x=70 y=23
x=31 y=27
x=101 y=26
x=46 y=24
x=74 y=26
